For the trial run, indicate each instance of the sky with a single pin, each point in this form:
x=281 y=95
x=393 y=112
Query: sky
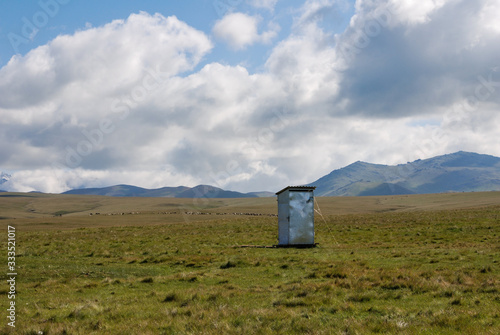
x=246 y=95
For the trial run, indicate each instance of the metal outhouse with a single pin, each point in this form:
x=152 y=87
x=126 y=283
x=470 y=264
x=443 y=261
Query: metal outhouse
x=296 y=216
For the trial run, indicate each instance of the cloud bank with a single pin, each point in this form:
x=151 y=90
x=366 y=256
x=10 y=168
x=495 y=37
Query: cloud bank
x=134 y=102
x=240 y=30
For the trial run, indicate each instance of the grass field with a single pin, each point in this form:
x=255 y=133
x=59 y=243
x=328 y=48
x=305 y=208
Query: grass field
x=389 y=265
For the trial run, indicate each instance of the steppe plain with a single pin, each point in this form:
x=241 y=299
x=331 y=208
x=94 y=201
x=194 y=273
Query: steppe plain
x=417 y=264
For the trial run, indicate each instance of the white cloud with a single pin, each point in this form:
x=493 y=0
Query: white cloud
x=306 y=65
x=314 y=11
x=415 y=12
x=241 y=30
x=101 y=61
x=71 y=95
x=489 y=16
x=267 y=4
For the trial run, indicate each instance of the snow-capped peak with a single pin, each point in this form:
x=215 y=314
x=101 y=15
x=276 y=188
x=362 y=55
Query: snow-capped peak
x=4 y=177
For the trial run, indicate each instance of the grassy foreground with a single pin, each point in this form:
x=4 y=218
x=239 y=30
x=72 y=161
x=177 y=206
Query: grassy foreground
x=399 y=265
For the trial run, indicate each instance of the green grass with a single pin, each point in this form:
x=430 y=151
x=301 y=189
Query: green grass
x=422 y=271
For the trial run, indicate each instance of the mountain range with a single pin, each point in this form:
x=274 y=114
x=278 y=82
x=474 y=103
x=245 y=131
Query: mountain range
x=457 y=172
x=200 y=191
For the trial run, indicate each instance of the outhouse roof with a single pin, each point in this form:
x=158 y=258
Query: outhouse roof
x=297 y=188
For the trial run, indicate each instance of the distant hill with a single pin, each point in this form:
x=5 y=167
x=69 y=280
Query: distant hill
x=457 y=172
x=262 y=194
x=200 y=191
